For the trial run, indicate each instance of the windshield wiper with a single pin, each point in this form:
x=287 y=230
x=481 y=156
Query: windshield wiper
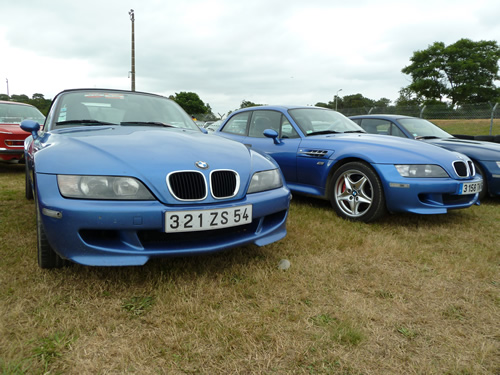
x=427 y=137
x=84 y=122
x=354 y=131
x=149 y=123
x=323 y=132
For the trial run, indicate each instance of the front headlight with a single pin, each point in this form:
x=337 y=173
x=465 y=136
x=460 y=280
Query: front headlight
x=102 y=187
x=265 y=180
x=421 y=170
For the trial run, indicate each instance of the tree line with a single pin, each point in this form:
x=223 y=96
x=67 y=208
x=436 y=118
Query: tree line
x=460 y=74
x=37 y=100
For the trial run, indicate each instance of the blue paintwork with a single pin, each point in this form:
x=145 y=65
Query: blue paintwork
x=311 y=174
x=148 y=154
x=485 y=154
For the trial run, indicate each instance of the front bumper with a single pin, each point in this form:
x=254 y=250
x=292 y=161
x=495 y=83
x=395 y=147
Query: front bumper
x=11 y=154
x=423 y=195
x=120 y=233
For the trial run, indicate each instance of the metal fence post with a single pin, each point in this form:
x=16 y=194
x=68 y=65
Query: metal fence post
x=422 y=111
x=492 y=117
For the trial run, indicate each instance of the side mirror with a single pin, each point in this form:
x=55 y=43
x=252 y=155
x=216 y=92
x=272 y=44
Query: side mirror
x=270 y=133
x=31 y=127
x=204 y=131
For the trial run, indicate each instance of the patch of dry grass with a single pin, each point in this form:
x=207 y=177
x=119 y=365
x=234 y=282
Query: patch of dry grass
x=409 y=294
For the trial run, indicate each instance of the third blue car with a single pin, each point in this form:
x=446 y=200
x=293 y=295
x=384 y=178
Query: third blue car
x=485 y=155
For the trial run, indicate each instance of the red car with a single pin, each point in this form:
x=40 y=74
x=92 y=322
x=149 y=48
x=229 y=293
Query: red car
x=11 y=135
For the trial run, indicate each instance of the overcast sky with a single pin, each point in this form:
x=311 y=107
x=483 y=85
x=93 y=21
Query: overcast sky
x=227 y=51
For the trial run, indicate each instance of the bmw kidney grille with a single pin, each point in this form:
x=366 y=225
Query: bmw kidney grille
x=463 y=169
x=192 y=185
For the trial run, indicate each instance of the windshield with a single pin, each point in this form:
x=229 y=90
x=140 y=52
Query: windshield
x=119 y=108
x=323 y=121
x=15 y=113
x=420 y=128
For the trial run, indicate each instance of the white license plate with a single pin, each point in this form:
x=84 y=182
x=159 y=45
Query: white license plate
x=470 y=188
x=198 y=220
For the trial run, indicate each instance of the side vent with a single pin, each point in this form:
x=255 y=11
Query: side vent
x=314 y=153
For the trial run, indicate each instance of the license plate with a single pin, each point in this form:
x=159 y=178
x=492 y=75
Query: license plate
x=198 y=220
x=470 y=188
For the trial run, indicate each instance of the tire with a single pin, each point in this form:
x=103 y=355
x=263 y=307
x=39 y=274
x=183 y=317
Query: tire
x=47 y=257
x=356 y=193
x=480 y=172
x=28 y=190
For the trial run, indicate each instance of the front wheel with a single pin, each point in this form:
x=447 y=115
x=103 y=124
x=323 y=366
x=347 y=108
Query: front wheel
x=356 y=193
x=47 y=257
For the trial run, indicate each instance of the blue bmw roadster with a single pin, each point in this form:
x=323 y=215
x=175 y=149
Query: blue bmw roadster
x=324 y=154
x=120 y=177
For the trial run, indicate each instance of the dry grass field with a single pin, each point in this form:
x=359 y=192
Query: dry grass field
x=407 y=295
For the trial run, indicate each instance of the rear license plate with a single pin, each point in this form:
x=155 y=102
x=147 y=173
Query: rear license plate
x=470 y=188
x=199 y=220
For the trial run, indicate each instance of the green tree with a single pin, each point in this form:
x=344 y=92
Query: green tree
x=465 y=72
x=356 y=101
x=382 y=103
x=247 y=103
x=20 y=98
x=408 y=98
x=39 y=101
x=321 y=104
x=190 y=102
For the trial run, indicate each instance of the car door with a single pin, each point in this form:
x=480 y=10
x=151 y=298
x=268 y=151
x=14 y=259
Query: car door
x=284 y=150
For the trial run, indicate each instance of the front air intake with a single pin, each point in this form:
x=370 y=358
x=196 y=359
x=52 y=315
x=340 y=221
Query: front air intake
x=224 y=184
x=464 y=169
x=187 y=185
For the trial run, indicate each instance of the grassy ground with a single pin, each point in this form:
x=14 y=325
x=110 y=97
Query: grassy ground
x=406 y=295
x=469 y=127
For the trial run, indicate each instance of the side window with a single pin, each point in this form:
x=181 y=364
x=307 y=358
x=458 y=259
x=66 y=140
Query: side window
x=397 y=132
x=237 y=124
x=375 y=126
x=262 y=120
x=287 y=130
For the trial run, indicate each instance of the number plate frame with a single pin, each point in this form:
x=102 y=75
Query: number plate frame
x=467 y=188
x=210 y=219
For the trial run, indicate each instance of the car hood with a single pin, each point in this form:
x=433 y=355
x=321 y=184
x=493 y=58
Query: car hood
x=11 y=129
x=478 y=150
x=381 y=149
x=148 y=154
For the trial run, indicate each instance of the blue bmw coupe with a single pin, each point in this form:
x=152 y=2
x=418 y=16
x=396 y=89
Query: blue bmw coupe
x=485 y=155
x=120 y=177
x=324 y=154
